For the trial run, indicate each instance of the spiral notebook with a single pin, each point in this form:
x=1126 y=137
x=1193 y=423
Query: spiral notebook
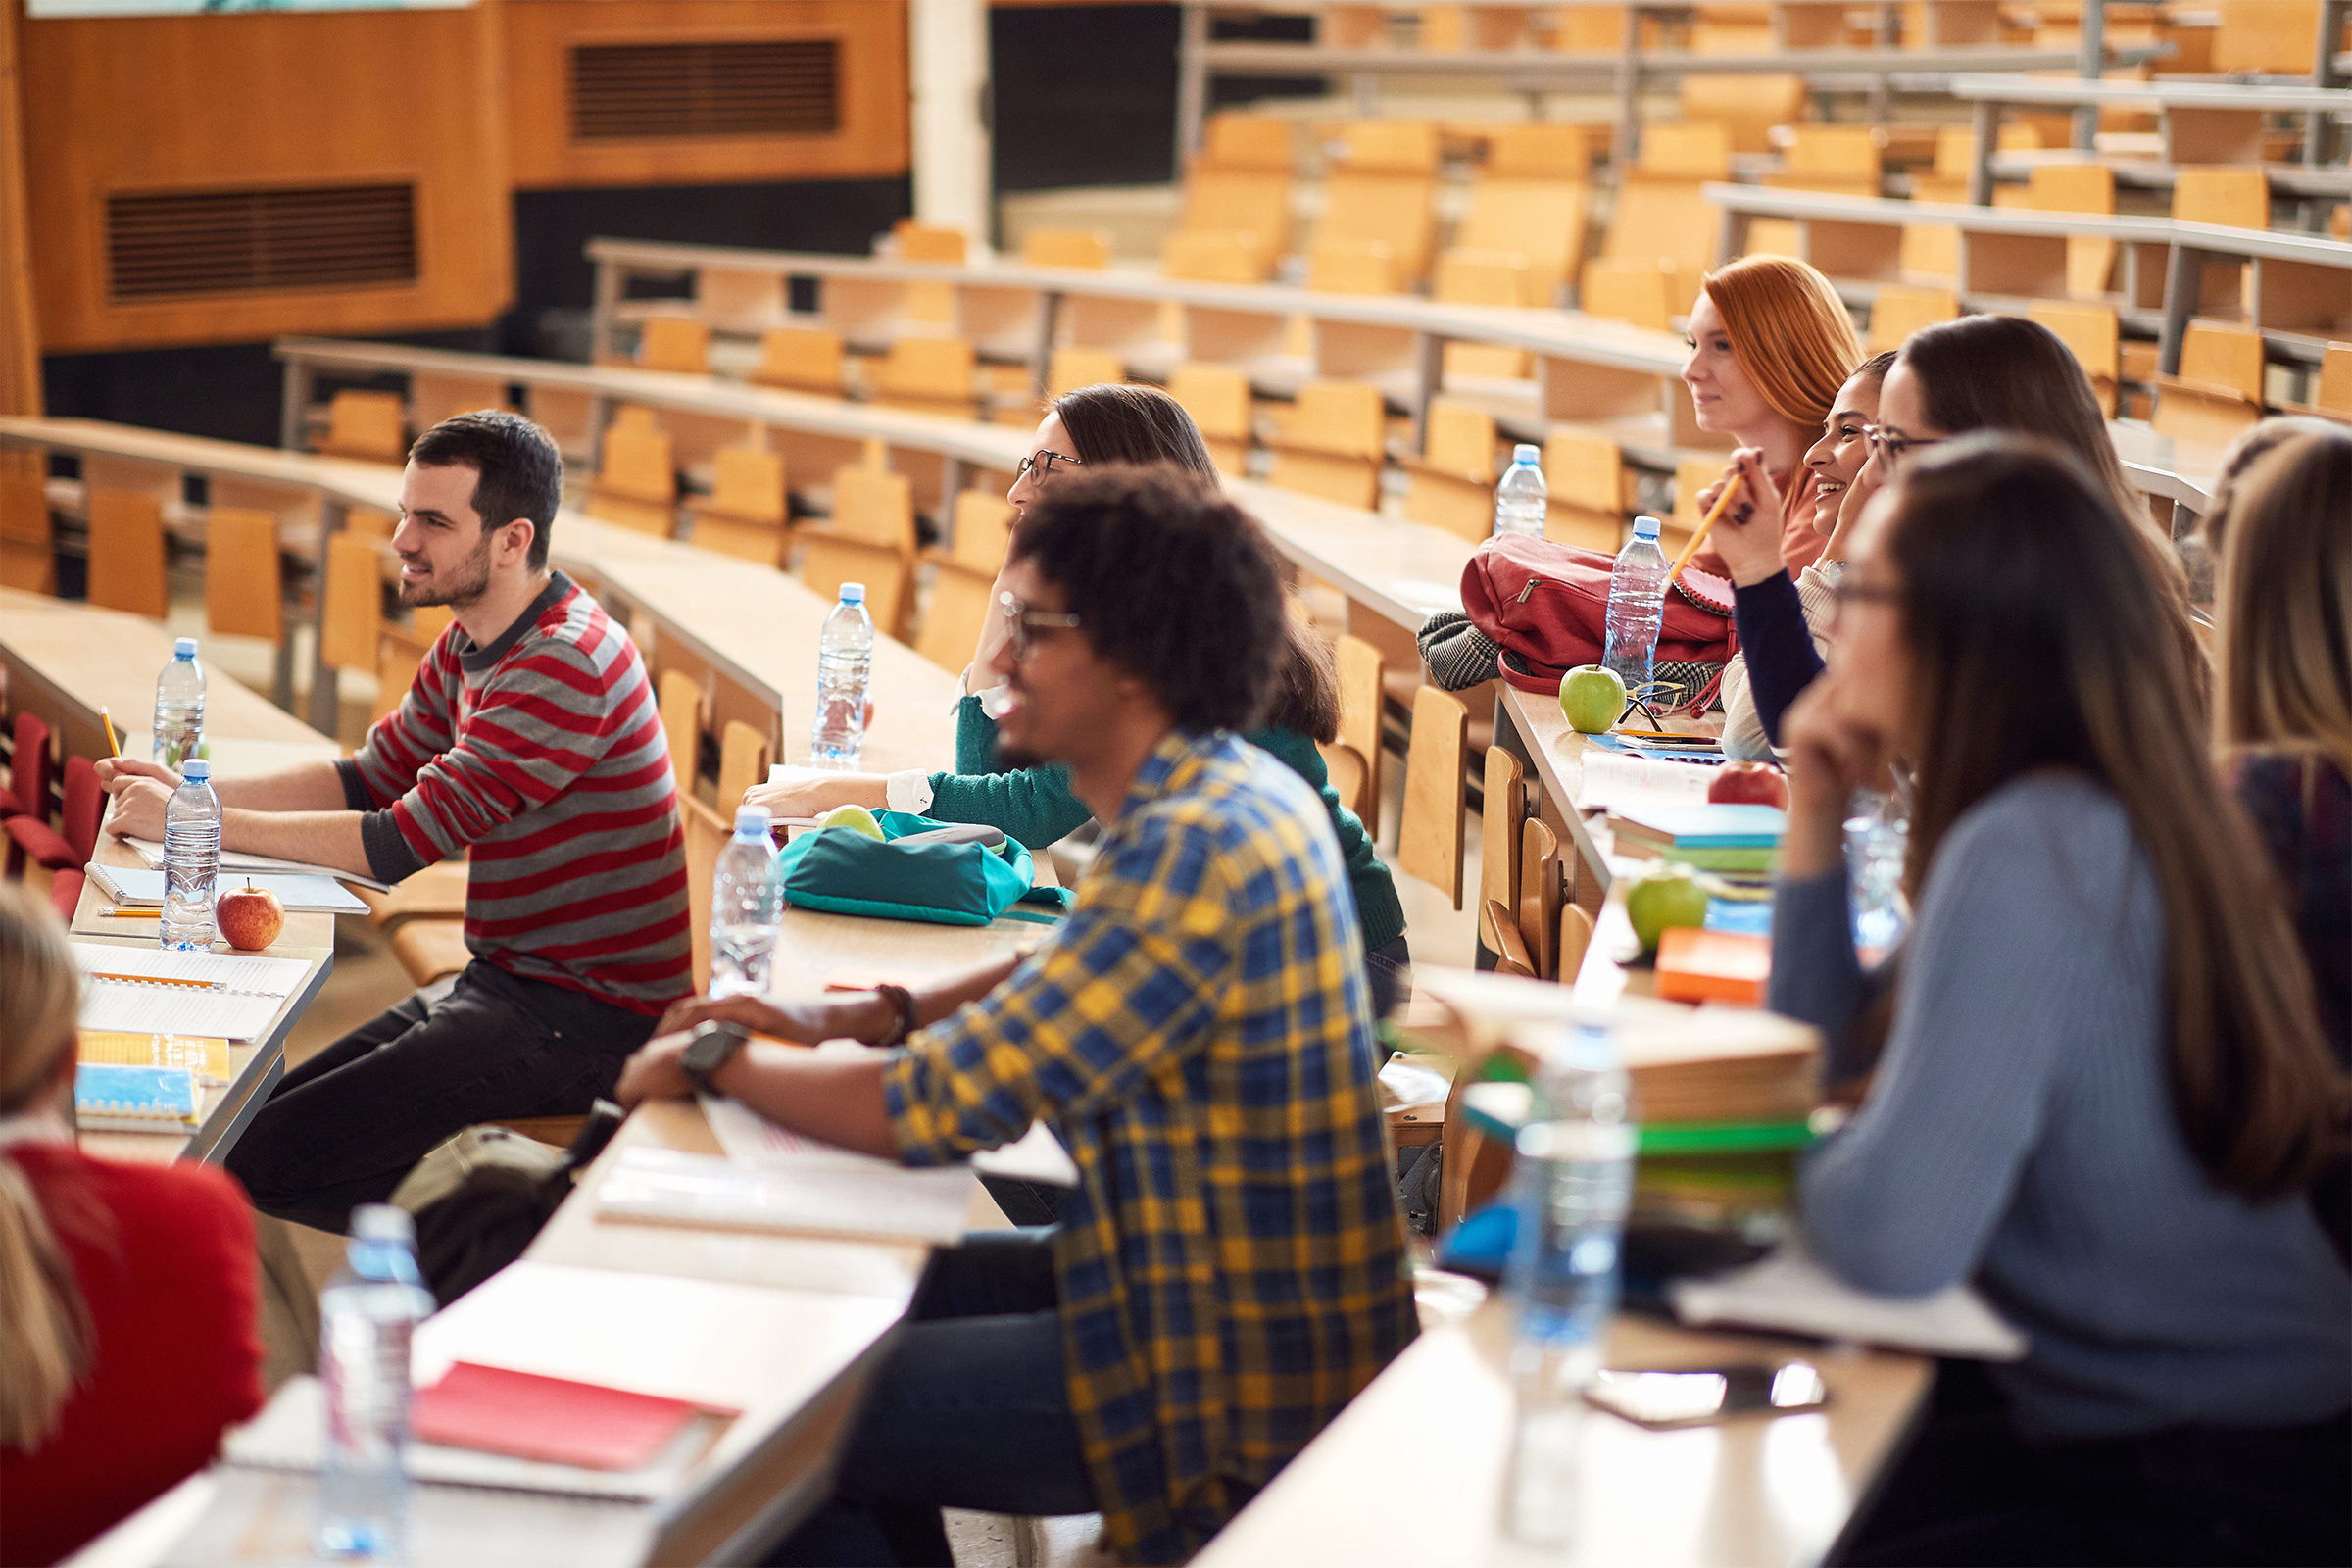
x=166 y=990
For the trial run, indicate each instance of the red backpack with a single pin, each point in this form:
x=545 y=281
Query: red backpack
x=1545 y=608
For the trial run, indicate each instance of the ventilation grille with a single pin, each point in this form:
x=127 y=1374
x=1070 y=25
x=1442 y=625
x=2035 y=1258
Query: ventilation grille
x=765 y=87
x=235 y=241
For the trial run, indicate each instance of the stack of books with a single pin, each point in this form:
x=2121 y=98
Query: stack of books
x=1709 y=837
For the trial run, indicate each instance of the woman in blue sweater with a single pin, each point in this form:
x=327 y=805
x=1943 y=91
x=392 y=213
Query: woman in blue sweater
x=2102 y=1096
x=1091 y=426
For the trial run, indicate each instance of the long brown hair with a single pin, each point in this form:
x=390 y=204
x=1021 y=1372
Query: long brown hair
x=2286 y=600
x=2037 y=641
x=1789 y=331
x=45 y=1332
x=1112 y=421
x=1306 y=679
x=2006 y=372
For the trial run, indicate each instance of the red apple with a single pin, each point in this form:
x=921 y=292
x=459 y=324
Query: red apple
x=250 y=918
x=1748 y=784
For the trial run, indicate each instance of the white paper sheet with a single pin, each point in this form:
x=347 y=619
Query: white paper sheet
x=1791 y=1291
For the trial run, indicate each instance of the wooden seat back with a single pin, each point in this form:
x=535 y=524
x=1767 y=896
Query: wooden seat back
x=1452 y=484
x=932 y=373
x=678 y=697
x=365 y=424
x=1500 y=818
x=1746 y=108
x=1333 y=444
x=805 y=358
x=2277 y=36
x=830 y=558
x=634 y=459
x=1087 y=248
x=1540 y=220
x=1540 y=895
x=1842 y=160
x=1215 y=256
x=1429 y=840
x=2093 y=334
x=1341 y=266
x=1345 y=770
x=435 y=396
x=1068 y=369
x=743 y=759
x=733 y=297
x=875 y=506
x=1234 y=140
x=1541 y=151
x=1898 y=311
x=126 y=563
x=680 y=343
x=1584 y=477
x=27 y=540
x=748 y=482
x=958 y=612
x=1487 y=278
x=981 y=530
x=2234 y=198
x=1635 y=289
x=1240 y=202
x=707 y=833
x=1384 y=208
x=1217 y=397
x=2334 y=390
x=244 y=594
x=351 y=608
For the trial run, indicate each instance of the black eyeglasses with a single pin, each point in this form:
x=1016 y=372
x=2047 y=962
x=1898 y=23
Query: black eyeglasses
x=1894 y=449
x=1042 y=462
x=1023 y=623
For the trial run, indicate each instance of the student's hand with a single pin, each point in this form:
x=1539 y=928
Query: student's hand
x=139 y=805
x=747 y=1012
x=1829 y=756
x=654 y=1072
x=1748 y=536
x=116 y=771
x=815 y=795
x=1851 y=506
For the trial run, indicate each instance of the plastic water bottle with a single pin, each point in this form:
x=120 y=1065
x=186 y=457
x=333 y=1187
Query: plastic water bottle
x=844 y=651
x=366 y=1316
x=179 y=727
x=1877 y=837
x=746 y=907
x=1636 y=605
x=191 y=856
x=1573 y=1185
x=1520 y=495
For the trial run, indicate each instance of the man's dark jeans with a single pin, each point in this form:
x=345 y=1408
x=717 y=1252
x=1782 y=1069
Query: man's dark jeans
x=970 y=1412
x=482 y=1045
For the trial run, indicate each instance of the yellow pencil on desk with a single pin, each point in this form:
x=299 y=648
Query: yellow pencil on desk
x=113 y=747
x=106 y=912
x=155 y=980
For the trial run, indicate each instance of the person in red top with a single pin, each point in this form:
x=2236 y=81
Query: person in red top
x=126 y=1292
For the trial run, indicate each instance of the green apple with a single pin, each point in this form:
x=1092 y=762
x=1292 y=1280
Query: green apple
x=1592 y=696
x=1665 y=898
x=855 y=817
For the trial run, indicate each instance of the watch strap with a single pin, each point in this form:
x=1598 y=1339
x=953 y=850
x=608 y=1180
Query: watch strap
x=901 y=1000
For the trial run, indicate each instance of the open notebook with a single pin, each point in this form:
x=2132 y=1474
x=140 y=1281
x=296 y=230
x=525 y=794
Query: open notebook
x=162 y=990
x=141 y=888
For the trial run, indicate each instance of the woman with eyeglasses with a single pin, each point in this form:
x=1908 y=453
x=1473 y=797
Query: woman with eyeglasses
x=2103 y=1096
x=1089 y=427
x=1980 y=372
x=1771 y=344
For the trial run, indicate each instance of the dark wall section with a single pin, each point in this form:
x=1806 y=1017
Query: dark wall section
x=552 y=229
x=1084 y=95
x=230 y=391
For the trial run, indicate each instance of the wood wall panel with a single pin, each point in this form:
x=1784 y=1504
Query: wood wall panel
x=872 y=138
x=20 y=335
x=266 y=100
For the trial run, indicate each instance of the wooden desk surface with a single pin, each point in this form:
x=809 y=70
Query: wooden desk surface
x=2015 y=90
x=1772 y=1493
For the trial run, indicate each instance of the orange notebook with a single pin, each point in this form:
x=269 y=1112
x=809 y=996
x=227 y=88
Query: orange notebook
x=1696 y=965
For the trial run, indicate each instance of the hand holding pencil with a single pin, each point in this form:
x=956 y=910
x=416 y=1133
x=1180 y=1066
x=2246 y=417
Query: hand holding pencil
x=1744 y=521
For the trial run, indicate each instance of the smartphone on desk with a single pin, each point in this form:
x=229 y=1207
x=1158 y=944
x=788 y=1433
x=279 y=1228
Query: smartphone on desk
x=1697 y=1396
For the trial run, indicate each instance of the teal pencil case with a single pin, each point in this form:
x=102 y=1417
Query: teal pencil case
x=843 y=871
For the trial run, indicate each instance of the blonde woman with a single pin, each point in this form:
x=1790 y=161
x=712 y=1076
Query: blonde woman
x=126 y=1292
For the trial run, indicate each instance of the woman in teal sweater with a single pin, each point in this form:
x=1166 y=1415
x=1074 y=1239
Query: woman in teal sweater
x=1116 y=424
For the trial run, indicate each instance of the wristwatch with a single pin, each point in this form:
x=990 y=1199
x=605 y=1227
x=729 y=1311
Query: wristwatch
x=710 y=1048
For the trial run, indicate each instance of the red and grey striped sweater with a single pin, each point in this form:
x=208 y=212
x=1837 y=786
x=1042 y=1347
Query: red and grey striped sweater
x=543 y=755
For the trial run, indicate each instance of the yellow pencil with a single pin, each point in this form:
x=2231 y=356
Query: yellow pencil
x=113 y=747
x=1700 y=537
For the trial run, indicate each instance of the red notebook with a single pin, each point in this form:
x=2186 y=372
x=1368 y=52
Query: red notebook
x=555 y=1419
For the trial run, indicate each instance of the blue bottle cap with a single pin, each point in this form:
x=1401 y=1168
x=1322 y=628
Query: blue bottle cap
x=1645 y=528
x=382 y=1222
x=184 y=648
x=1523 y=453
x=754 y=821
x=196 y=769
x=853 y=593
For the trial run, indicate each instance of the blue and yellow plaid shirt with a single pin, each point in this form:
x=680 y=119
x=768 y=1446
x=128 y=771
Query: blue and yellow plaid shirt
x=1198 y=1032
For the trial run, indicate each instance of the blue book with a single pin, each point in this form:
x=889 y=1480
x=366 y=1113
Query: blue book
x=1705 y=826
x=109 y=1097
